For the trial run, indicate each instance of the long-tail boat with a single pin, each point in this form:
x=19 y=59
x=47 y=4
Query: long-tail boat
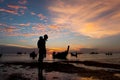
x=61 y=55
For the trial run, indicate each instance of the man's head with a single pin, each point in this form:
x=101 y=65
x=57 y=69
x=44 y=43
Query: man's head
x=45 y=36
x=40 y=37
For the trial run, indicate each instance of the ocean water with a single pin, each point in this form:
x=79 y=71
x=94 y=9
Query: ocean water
x=32 y=73
x=114 y=58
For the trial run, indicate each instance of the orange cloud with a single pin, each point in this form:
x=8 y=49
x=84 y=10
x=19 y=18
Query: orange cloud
x=37 y=30
x=16 y=45
x=54 y=31
x=23 y=34
x=32 y=13
x=53 y=27
x=7 y=28
x=17 y=7
x=94 y=21
x=96 y=31
x=9 y=11
x=116 y=16
x=14 y=9
x=23 y=25
x=41 y=16
x=22 y=1
x=29 y=34
x=39 y=27
x=10 y=29
x=1 y=24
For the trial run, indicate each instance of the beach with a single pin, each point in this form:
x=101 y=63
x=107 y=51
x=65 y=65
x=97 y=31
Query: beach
x=84 y=67
x=60 y=70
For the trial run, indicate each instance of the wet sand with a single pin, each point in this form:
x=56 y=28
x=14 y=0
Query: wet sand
x=67 y=67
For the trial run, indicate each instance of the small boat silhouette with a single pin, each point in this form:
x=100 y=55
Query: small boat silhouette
x=94 y=53
x=108 y=53
x=61 y=55
x=33 y=55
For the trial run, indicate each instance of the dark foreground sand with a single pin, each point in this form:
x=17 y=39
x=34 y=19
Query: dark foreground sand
x=67 y=67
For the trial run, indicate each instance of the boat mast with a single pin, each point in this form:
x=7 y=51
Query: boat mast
x=68 y=48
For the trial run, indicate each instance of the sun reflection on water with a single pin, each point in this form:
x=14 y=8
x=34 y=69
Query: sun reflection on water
x=88 y=78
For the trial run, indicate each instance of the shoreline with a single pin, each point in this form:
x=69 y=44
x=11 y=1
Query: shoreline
x=87 y=63
x=65 y=67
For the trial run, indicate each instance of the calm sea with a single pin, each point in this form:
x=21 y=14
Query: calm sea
x=114 y=58
x=32 y=73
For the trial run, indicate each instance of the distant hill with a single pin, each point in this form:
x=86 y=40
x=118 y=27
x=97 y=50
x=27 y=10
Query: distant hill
x=4 y=49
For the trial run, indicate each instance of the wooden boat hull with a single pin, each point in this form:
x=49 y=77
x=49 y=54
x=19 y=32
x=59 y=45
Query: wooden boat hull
x=61 y=55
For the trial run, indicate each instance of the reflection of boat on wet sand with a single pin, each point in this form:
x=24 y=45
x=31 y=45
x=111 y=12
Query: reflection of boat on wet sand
x=61 y=55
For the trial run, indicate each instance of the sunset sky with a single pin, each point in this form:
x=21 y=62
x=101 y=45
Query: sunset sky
x=78 y=23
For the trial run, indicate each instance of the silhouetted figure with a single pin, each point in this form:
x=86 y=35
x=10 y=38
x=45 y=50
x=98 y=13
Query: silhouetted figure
x=42 y=54
x=61 y=55
x=33 y=55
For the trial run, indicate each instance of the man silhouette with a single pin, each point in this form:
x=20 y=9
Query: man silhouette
x=42 y=47
x=42 y=54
